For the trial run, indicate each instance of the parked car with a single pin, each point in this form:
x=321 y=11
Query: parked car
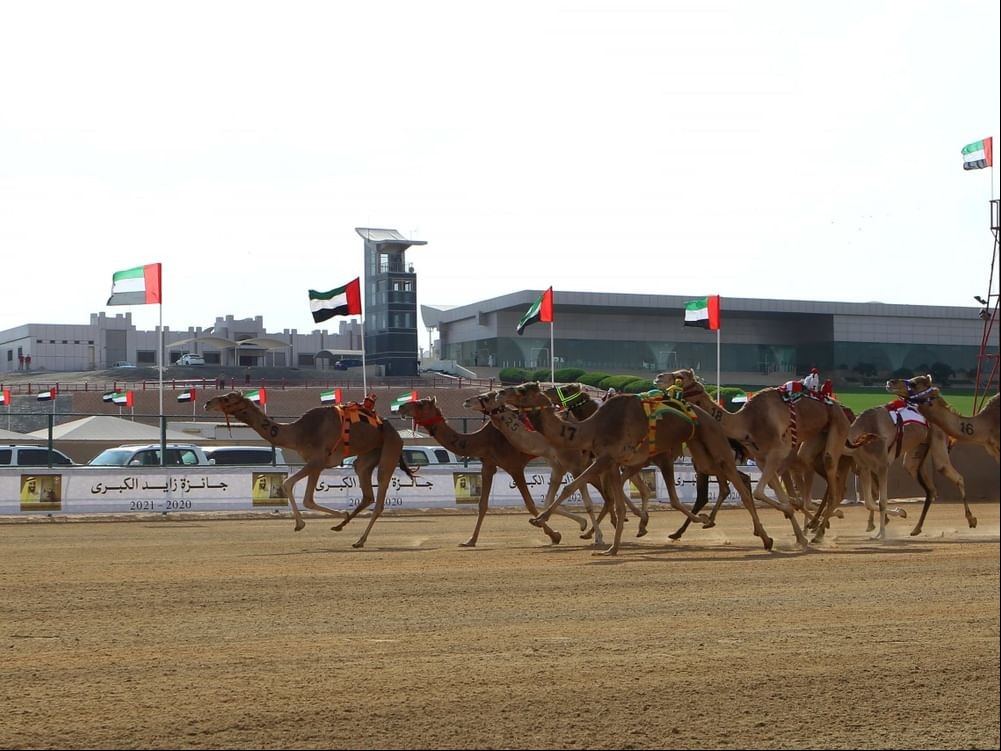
x=190 y=358
x=417 y=457
x=246 y=455
x=15 y=455
x=148 y=455
x=123 y=364
x=347 y=363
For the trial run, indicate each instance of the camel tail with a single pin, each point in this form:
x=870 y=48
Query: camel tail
x=862 y=440
x=411 y=472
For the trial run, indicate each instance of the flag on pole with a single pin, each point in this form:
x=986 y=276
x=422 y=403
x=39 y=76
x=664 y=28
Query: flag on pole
x=540 y=312
x=703 y=312
x=257 y=396
x=47 y=396
x=122 y=398
x=978 y=155
x=343 y=301
x=188 y=395
x=408 y=396
x=109 y=396
x=332 y=396
x=5 y=397
x=138 y=286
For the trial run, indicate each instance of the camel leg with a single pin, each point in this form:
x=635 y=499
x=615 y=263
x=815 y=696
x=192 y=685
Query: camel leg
x=595 y=530
x=951 y=474
x=593 y=470
x=526 y=496
x=387 y=465
x=783 y=503
x=619 y=501
x=487 y=472
x=313 y=474
x=705 y=463
x=556 y=474
x=633 y=475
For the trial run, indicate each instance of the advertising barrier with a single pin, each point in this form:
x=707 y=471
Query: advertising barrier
x=78 y=490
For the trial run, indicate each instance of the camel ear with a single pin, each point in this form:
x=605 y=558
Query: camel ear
x=434 y=400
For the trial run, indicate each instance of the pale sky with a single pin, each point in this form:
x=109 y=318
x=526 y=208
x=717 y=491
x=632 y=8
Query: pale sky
x=786 y=150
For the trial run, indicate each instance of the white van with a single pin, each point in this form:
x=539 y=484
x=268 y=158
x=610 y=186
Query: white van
x=244 y=455
x=14 y=455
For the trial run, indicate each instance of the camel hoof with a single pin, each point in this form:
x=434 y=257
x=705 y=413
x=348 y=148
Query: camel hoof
x=359 y=544
x=903 y=513
x=768 y=541
x=587 y=535
x=299 y=525
x=583 y=526
x=338 y=527
x=556 y=537
x=916 y=531
x=839 y=513
x=703 y=519
x=641 y=531
x=973 y=522
x=467 y=544
x=536 y=522
x=675 y=535
x=709 y=524
x=609 y=551
x=870 y=527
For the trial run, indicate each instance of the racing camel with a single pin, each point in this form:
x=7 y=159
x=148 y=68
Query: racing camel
x=493 y=450
x=323 y=437
x=920 y=447
x=984 y=428
x=623 y=438
x=779 y=437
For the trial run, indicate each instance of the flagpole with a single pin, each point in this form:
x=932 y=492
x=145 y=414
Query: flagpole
x=161 y=360
x=552 y=353
x=364 y=364
x=719 y=386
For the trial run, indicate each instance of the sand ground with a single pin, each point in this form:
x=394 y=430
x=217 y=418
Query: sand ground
x=207 y=632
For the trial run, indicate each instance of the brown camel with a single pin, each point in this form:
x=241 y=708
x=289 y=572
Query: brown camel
x=531 y=442
x=622 y=438
x=579 y=405
x=320 y=439
x=779 y=437
x=488 y=445
x=921 y=447
x=983 y=428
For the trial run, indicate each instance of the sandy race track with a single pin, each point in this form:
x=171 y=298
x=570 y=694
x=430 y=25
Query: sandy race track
x=208 y=632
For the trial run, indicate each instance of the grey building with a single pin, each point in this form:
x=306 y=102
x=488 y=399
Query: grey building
x=760 y=340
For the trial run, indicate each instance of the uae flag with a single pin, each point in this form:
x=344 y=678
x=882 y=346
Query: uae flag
x=330 y=397
x=138 y=286
x=109 y=396
x=5 y=397
x=343 y=301
x=47 y=396
x=257 y=396
x=703 y=312
x=123 y=398
x=409 y=396
x=978 y=155
x=187 y=395
x=540 y=312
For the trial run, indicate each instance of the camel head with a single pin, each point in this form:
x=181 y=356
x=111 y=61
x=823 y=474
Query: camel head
x=228 y=404
x=487 y=403
x=525 y=396
x=422 y=411
x=909 y=388
x=567 y=395
x=689 y=380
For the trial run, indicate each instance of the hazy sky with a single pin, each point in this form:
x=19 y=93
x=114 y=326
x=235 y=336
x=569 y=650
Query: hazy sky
x=789 y=150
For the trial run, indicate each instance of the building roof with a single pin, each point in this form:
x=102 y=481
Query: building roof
x=386 y=236
x=105 y=428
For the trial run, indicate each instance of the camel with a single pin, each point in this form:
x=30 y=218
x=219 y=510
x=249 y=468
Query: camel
x=921 y=447
x=573 y=398
x=529 y=441
x=777 y=436
x=622 y=438
x=493 y=450
x=983 y=428
x=321 y=440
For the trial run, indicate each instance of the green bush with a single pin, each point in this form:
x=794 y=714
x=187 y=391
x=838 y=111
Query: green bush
x=637 y=385
x=569 y=375
x=513 y=376
x=617 y=382
x=541 y=374
x=593 y=379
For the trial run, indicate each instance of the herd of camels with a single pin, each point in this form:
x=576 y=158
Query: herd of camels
x=603 y=444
